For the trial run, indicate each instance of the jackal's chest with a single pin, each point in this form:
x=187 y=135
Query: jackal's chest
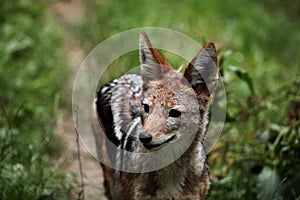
x=172 y=182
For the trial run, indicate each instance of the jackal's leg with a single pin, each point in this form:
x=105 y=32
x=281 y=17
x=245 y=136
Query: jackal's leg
x=204 y=185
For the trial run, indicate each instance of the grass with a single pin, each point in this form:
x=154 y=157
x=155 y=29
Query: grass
x=257 y=155
x=32 y=72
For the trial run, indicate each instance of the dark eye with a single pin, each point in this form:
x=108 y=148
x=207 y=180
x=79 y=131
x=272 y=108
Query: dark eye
x=174 y=113
x=146 y=108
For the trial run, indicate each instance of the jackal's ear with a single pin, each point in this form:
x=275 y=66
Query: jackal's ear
x=202 y=71
x=154 y=65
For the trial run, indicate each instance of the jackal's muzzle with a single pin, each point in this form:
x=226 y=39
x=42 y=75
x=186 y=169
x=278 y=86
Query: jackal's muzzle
x=150 y=144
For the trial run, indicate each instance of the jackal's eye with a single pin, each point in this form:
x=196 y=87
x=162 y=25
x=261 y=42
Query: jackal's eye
x=146 y=108
x=174 y=113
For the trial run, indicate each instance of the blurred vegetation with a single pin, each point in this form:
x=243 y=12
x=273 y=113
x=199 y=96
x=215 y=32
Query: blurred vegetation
x=32 y=72
x=257 y=155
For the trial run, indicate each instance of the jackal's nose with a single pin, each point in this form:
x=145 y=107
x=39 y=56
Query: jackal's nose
x=145 y=137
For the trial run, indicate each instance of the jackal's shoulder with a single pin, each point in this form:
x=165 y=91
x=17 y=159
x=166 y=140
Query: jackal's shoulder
x=118 y=106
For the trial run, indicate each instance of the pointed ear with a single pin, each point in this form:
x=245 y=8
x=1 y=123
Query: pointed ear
x=154 y=65
x=202 y=71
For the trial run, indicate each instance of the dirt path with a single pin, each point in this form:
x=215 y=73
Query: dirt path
x=70 y=12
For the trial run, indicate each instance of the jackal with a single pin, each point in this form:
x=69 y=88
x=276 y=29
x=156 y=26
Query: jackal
x=147 y=113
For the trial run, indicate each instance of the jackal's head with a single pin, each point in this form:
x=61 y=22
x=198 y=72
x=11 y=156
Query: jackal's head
x=173 y=101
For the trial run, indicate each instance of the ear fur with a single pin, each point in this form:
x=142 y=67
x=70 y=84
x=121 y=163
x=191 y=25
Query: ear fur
x=154 y=65
x=202 y=71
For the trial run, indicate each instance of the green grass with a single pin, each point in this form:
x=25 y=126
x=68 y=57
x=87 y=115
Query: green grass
x=257 y=156
x=32 y=72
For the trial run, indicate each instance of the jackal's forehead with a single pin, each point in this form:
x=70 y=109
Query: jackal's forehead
x=160 y=95
x=168 y=93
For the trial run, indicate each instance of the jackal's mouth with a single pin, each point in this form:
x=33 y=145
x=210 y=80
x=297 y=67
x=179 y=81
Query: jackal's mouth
x=159 y=142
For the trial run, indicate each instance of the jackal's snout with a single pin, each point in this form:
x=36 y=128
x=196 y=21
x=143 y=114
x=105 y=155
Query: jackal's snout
x=145 y=137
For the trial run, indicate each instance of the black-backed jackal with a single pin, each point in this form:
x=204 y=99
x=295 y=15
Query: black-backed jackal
x=149 y=112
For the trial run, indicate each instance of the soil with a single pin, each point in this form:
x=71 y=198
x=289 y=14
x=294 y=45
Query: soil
x=71 y=12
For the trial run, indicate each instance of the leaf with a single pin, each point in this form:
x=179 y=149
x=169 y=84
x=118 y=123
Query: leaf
x=18 y=44
x=269 y=183
x=243 y=75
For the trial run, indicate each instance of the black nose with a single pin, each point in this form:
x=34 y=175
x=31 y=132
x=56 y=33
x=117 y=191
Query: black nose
x=145 y=137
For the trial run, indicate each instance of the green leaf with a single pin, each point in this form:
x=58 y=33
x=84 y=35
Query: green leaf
x=243 y=75
x=268 y=181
